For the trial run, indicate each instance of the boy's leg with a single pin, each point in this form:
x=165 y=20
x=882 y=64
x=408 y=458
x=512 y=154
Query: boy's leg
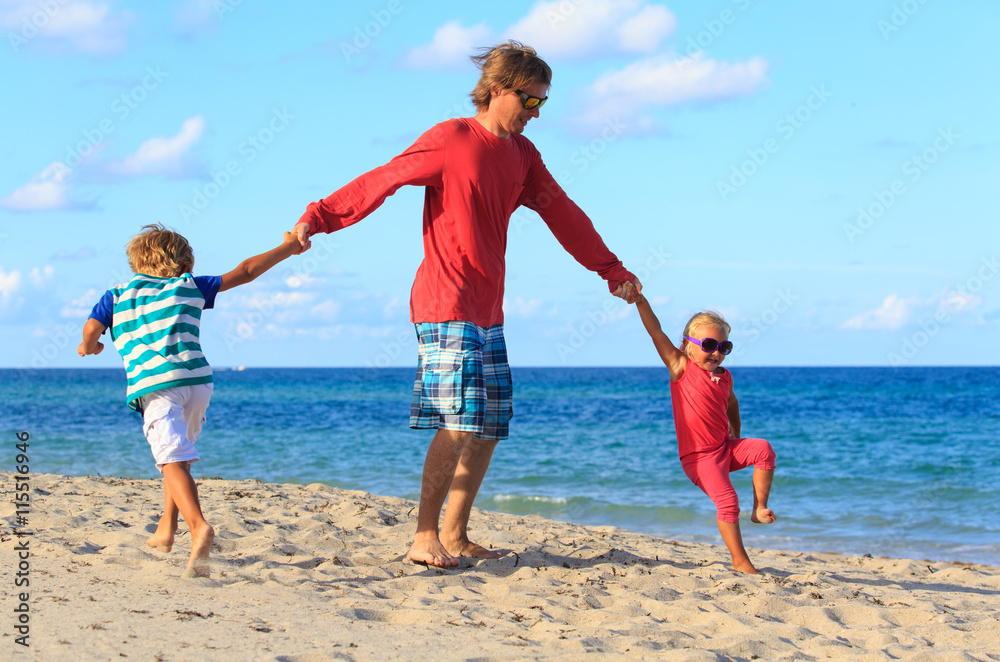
x=172 y=421
x=163 y=538
x=439 y=472
x=472 y=466
x=184 y=492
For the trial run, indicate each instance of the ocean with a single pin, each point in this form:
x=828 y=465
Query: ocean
x=888 y=462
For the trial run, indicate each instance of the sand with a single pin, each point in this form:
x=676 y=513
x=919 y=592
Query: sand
x=315 y=573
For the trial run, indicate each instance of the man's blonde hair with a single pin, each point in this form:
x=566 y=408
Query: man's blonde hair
x=511 y=65
x=701 y=320
x=157 y=251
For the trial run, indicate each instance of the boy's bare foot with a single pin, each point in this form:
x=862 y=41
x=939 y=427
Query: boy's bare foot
x=745 y=566
x=762 y=515
x=470 y=550
x=428 y=550
x=201 y=549
x=162 y=540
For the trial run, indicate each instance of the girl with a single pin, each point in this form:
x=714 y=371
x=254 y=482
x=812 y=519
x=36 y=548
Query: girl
x=707 y=419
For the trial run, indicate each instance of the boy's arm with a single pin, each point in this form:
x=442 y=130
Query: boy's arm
x=733 y=413
x=672 y=357
x=91 y=344
x=252 y=267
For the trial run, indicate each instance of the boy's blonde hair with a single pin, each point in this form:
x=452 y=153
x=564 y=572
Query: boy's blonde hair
x=703 y=319
x=157 y=251
x=511 y=65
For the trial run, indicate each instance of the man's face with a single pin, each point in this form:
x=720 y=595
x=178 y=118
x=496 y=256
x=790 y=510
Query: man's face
x=510 y=112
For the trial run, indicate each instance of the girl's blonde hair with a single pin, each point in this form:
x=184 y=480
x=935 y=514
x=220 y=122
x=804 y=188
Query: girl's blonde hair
x=700 y=320
x=511 y=65
x=157 y=251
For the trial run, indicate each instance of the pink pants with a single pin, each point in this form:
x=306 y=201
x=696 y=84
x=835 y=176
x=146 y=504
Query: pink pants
x=710 y=471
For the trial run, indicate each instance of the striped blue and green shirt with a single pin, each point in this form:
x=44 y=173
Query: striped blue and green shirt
x=154 y=324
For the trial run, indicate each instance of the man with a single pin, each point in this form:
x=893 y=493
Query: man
x=477 y=171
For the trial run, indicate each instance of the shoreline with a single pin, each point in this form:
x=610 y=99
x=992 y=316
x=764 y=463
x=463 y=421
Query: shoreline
x=314 y=572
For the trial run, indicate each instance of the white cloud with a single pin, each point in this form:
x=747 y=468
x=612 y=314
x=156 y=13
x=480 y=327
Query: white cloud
x=66 y=27
x=327 y=310
x=664 y=80
x=81 y=307
x=200 y=15
x=556 y=29
x=453 y=43
x=520 y=307
x=10 y=282
x=892 y=314
x=646 y=30
x=40 y=276
x=163 y=156
x=46 y=190
x=956 y=302
x=591 y=27
x=392 y=309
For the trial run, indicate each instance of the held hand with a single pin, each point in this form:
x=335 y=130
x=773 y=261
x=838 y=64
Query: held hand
x=301 y=232
x=82 y=349
x=292 y=238
x=629 y=291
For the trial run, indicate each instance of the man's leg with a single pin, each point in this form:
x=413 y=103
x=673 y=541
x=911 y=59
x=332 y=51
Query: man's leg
x=472 y=466
x=439 y=471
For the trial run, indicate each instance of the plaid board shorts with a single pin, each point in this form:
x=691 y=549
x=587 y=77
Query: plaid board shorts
x=463 y=380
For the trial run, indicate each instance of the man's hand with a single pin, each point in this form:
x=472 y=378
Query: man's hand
x=302 y=232
x=629 y=290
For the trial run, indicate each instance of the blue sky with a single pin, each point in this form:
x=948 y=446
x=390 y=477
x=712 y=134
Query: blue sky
x=825 y=174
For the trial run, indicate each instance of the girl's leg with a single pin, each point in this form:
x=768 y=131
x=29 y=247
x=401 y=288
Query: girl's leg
x=184 y=492
x=762 y=479
x=734 y=542
x=711 y=474
x=758 y=454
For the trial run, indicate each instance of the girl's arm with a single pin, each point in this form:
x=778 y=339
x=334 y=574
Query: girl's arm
x=252 y=267
x=91 y=344
x=733 y=413
x=672 y=357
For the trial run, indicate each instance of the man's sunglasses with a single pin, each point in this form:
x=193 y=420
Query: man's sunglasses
x=709 y=345
x=530 y=102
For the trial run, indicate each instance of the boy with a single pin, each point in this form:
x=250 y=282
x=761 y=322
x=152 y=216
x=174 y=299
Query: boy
x=154 y=321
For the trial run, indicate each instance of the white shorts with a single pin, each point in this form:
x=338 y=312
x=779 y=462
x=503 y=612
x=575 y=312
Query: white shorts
x=171 y=421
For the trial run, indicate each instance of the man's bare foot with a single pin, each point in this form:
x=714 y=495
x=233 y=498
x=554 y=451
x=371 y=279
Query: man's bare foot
x=470 y=550
x=428 y=550
x=162 y=540
x=745 y=566
x=762 y=515
x=201 y=549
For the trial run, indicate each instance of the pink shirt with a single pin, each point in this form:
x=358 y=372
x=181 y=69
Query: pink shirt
x=474 y=181
x=700 y=400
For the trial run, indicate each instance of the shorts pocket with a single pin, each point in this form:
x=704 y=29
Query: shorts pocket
x=441 y=388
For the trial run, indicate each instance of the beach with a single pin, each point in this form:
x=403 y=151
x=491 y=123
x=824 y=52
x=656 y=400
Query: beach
x=311 y=572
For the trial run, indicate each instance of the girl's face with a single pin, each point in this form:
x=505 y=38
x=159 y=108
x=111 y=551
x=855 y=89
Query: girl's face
x=706 y=360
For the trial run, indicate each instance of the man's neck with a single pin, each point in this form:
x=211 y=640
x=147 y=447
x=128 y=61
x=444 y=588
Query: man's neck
x=486 y=120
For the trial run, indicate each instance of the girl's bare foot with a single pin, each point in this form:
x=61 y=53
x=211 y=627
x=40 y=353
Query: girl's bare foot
x=762 y=515
x=201 y=548
x=745 y=566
